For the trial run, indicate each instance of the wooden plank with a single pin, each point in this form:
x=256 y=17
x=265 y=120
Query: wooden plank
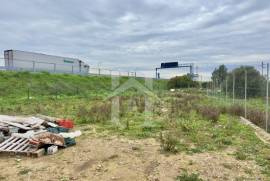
x=15 y=124
x=23 y=147
x=12 y=145
x=9 y=143
x=20 y=145
x=38 y=153
x=6 y=141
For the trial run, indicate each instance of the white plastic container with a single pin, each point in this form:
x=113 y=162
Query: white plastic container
x=52 y=150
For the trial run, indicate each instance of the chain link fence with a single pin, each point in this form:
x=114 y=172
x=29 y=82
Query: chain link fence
x=244 y=92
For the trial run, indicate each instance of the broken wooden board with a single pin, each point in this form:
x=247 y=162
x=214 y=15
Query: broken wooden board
x=16 y=124
x=25 y=121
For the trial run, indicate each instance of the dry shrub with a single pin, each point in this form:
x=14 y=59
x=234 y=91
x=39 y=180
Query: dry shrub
x=256 y=116
x=127 y=102
x=140 y=103
x=100 y=112
x=192 y=97
x=236 y=110
x=210 y=113
x=179 y=106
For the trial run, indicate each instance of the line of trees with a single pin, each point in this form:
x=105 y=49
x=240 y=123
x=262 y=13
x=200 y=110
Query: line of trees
x=221 y=77
x=255 y=82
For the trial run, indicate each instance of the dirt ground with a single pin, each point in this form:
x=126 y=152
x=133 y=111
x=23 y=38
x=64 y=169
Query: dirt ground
x=97 y=157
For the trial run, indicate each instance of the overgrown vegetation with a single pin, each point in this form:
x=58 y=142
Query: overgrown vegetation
x=183 y=121
x=184 y=81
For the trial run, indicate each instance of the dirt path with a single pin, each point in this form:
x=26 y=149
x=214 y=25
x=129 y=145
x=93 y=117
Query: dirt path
x=114 y=158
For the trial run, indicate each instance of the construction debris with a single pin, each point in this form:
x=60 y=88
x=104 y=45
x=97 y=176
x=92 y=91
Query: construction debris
x=35 y=136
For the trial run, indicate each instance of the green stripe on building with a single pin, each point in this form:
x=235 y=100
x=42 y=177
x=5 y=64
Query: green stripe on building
x=68 y=61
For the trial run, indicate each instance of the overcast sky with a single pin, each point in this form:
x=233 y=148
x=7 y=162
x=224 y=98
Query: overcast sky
x=140 y=34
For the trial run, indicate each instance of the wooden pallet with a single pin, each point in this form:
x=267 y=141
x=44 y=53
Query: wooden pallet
x=18 y=145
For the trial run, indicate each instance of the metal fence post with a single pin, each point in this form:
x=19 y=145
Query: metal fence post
x=245 y=93
x=34 y=66
x=233 y=86
x=267 y=99
x=226 y=88
x=214 y=92
x=54 y=67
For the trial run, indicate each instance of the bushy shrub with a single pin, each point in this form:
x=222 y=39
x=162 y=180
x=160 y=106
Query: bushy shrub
x=184 y=81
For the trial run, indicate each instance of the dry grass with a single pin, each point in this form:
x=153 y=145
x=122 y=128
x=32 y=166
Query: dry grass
x=98 y=113
x=210 y=113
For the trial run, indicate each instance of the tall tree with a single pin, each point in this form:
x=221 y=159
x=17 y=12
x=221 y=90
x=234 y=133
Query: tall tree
x=255 y=82
x=219 y=74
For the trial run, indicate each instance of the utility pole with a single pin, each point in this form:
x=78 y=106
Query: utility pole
x=267 y=99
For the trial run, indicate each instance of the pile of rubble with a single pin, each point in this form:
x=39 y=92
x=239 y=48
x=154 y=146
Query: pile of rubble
x=35 y=136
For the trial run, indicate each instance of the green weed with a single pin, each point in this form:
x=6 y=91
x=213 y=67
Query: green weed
x=188 y=177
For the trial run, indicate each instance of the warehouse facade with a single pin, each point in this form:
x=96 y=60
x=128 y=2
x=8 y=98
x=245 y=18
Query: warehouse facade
x=29 y=61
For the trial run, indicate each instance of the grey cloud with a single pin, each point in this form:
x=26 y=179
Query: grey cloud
x=128 y=34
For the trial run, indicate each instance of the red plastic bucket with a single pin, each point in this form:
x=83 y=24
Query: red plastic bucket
x=66 y=123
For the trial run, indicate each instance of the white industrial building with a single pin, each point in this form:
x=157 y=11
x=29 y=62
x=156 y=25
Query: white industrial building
x=37 y=62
